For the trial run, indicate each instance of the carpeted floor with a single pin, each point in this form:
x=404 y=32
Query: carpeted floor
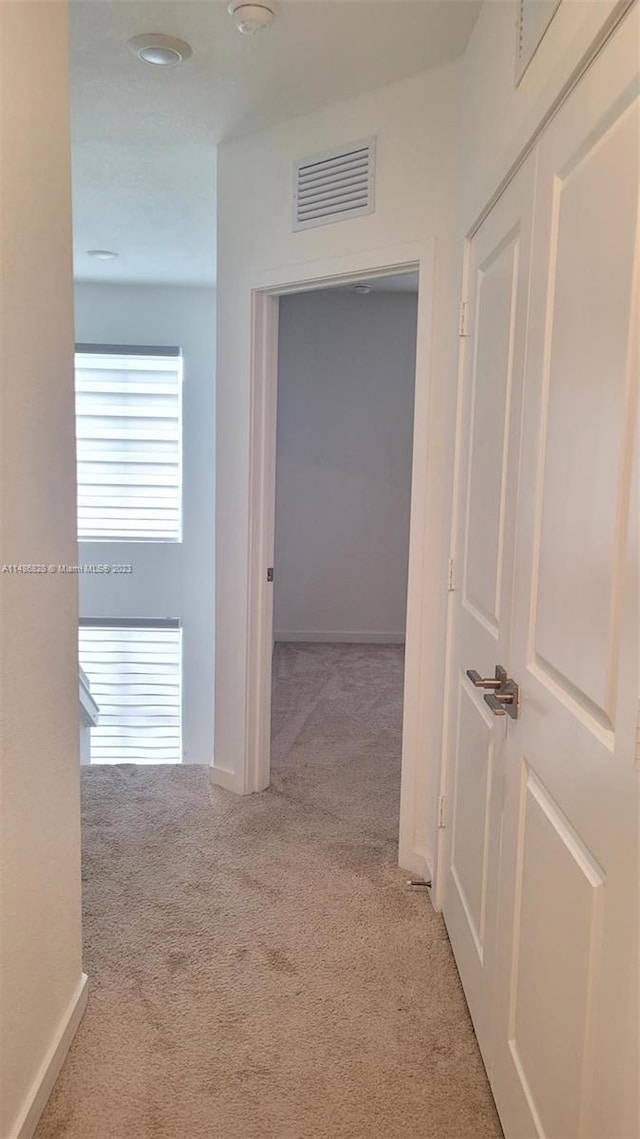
x=258 y=967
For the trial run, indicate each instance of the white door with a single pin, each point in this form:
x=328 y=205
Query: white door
x=497 y=286
x=541 y=890
x=565 y=1064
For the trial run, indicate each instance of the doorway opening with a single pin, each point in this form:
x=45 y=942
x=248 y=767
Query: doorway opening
x=271 y=296
x=344 y=441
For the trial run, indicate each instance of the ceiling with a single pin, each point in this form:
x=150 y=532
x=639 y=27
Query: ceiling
x=397 y=283
x=144 y=138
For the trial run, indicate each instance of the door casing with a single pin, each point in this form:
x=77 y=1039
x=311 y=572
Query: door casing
x=423 y=651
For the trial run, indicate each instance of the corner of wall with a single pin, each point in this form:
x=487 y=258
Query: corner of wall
x=40 y=1090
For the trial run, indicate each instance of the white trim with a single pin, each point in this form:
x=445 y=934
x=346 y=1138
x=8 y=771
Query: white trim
x=423 y=654
x=42 y=1086
x=423 y=651
x=228 y=780
x=344 y=270
x=438 y=879
x=262 y=493
x=419 y=866
x=592 y=38
x=315 y=636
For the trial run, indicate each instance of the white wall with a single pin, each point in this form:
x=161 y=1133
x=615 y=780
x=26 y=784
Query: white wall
x=346 y=370
x=41 y=985
x=417 y=128
x=499 y=118
x=169 y=579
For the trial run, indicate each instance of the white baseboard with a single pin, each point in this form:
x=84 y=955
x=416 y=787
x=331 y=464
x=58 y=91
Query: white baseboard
x=42 y=1086
x=229 y=780
x=315 y=637
x=414 y=863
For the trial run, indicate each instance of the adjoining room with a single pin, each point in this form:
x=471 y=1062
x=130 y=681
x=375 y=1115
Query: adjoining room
x=346 y=380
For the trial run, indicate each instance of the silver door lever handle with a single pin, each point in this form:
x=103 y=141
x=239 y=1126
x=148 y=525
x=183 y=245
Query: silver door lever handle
x=504 y=697
x=495 y=682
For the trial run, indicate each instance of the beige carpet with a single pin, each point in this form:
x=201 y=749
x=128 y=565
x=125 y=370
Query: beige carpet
x=258 y=967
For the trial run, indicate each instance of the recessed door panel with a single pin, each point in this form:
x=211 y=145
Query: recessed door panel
x=489 y=439
x=472 y=811
x=588 y=407
x=554 y=964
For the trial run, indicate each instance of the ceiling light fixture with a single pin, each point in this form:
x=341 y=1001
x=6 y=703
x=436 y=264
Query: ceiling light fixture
x=252 y=18
x=102 y=254
x=159 y=50
x=363 y=290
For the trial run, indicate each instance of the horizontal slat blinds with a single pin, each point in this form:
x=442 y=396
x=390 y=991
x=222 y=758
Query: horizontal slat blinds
x=128 y=429
x=135 y=677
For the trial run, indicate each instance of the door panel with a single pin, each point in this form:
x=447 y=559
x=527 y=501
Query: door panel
x=566 y=1054
x=496 y=283
x=585 y=420
x=473 y=797
x=554 y=963
x=498 y=269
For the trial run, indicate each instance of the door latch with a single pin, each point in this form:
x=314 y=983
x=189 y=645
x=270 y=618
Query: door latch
x=504 y=699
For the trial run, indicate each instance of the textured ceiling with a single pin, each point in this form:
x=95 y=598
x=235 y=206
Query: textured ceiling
x=144 y=138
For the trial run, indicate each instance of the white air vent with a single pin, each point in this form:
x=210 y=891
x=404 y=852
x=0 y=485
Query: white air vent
x=334 y=186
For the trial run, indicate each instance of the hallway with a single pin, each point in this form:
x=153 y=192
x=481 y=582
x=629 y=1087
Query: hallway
x=258 y=968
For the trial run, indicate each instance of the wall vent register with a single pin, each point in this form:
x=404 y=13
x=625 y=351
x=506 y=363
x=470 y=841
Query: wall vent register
x=334 y=186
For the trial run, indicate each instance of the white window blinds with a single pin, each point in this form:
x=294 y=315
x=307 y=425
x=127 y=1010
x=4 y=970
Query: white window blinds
x=135 y=677
x=128 y=428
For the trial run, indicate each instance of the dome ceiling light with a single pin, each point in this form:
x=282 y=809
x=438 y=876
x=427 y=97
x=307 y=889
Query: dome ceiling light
x=159 y=50
x=102 y=254
x=252 y=18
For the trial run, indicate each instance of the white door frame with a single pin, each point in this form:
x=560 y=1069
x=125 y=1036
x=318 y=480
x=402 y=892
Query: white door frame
x=424 y=650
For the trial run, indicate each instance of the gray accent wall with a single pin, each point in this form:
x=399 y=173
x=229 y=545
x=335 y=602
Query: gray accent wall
x=345 y=422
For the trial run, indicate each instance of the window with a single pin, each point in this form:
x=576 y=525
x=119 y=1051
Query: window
x=135 y=674
x=128 y=428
